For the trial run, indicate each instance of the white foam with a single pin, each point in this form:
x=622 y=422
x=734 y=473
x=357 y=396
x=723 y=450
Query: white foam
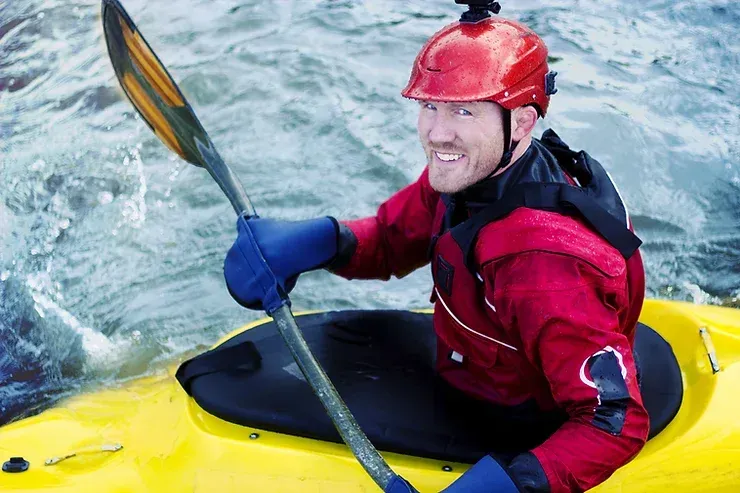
x=97 y=346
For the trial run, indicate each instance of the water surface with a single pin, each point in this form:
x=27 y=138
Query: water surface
x=111 y=249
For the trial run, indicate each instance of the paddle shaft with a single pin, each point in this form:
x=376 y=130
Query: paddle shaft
x=226 y=179
x=341 y=416
x=322 y=386
x=344 y=421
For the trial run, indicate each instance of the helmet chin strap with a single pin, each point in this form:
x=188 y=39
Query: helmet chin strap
x=509 y=146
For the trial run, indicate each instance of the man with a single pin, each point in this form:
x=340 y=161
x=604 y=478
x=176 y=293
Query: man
x=537 y=280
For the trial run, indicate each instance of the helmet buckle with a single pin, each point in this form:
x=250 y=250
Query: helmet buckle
x=550 y=88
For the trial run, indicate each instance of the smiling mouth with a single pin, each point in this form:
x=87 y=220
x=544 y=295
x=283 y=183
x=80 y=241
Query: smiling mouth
x=448 y=158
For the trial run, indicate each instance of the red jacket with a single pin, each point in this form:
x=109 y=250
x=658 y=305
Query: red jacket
x=549 y=295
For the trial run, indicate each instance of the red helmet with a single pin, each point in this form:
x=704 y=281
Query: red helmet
x=495 y=60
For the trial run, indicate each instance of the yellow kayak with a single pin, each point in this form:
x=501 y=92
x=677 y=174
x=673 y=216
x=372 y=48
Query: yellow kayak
x=255 y=427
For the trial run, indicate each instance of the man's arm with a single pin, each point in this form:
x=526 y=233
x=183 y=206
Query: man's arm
x=267 y=257
x=395 y=241
x=567 y=314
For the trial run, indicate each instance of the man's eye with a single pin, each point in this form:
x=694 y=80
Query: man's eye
x=463 y=112
x=429 y=106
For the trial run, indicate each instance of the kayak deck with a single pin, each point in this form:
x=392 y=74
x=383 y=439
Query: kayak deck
x=170 y=444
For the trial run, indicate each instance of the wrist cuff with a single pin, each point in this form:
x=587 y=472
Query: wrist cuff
x=346 y=246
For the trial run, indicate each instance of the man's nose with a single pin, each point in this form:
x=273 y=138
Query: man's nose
x=441 y=131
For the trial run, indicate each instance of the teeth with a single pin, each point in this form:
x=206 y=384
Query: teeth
x=448 y=157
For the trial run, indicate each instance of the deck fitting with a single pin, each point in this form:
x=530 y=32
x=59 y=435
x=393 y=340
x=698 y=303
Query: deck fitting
x=709 y=346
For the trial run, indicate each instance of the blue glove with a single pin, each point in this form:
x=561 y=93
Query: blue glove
x=485 y=476
x=267 y=257
x=399 y=485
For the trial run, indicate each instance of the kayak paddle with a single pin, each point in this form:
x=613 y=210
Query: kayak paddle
x=160 y=103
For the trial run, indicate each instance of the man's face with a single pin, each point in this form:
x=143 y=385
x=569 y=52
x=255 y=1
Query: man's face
x=463 y=142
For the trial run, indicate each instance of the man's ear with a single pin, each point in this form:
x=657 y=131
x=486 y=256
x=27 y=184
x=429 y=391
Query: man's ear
x=523 y=120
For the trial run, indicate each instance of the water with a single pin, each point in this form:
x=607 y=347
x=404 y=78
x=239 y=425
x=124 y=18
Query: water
x=111 y=250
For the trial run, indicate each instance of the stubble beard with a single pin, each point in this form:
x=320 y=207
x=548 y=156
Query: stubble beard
x=440 y=180
x=450 y=179
x=456 y=178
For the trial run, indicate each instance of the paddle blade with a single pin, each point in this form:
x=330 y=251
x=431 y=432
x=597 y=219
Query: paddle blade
x=150 y=88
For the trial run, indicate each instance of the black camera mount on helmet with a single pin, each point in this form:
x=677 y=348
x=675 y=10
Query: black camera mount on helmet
x=478 y=10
